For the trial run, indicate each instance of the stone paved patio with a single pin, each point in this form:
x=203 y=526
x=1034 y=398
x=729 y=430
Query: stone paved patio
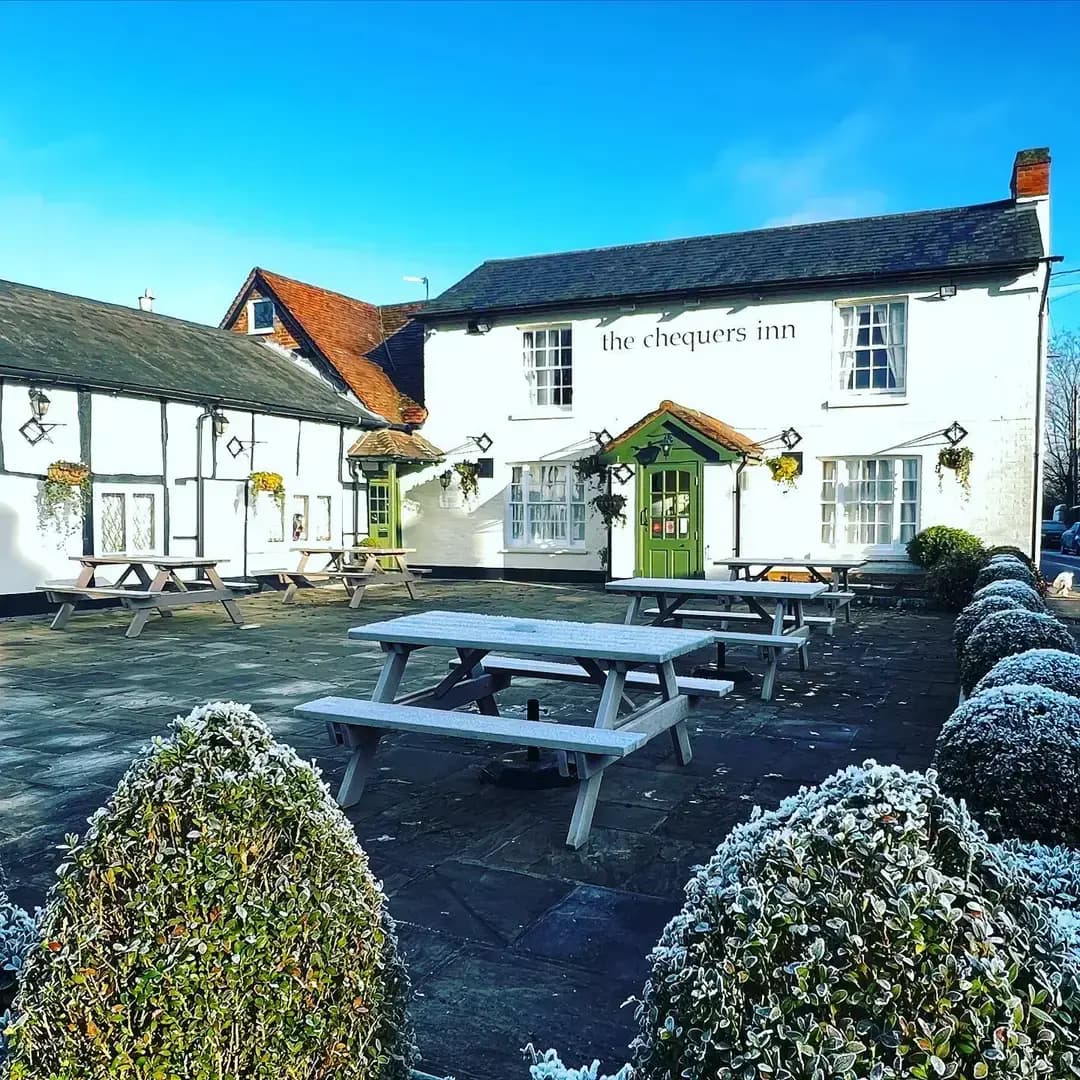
x=510 y=936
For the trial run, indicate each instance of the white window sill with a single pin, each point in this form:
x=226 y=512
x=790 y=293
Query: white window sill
x=870 y=400
x=544 y=414
x=261 y=330
x=542 y=551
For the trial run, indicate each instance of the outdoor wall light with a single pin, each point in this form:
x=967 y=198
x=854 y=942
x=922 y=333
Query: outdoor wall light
x=39 y=403
x=478 y=326
x=221 y=423
x=946 y=291
x=483 y=441
x=646 y=455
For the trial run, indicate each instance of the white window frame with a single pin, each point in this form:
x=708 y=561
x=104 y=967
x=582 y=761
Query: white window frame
x=841 y=502
x=845 y=352
x=304 y=510
x=527 y=477
x=251 y=328
x=529 y=351
x=128 y=497
x=324 y=503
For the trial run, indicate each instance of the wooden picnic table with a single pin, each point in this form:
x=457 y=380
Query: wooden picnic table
x=160 y=592
x=353 y=565
x=617 y=658
x=775 y=607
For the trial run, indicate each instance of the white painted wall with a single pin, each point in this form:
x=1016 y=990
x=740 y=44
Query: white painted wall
x=971 y=358
x=125 y=441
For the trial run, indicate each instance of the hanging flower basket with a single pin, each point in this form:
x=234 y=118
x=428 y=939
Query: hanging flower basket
x=63 y=498
x=467 y=474
x=957 y=458
x=611 y=507
x=784 y=469
x=589 y=468
x=271 y=483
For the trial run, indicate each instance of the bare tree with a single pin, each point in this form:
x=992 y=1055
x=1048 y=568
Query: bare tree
x=1060 y=479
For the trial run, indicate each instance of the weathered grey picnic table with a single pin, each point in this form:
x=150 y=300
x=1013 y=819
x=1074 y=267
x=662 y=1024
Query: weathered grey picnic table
x=776 y=607
x=354 y=566
x=159 y=593
x=619 y=659
x=838 y=595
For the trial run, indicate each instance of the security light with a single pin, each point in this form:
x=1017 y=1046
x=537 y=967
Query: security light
x=39 y=403
x=945 y=291
x=483 y=441
x=478 y=326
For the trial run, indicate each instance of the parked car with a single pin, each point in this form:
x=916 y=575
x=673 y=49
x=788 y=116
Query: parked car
x=1070 y=539
x=1051 y=533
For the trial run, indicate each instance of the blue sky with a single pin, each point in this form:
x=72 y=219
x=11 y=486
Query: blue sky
x=177 y=145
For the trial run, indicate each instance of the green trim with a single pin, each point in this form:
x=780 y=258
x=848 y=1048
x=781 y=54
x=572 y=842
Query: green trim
x=686 y=438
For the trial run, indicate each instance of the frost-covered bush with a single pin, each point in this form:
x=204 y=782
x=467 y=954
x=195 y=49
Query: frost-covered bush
x=929 y=547
x=18 y=935
x=974 y=613
x=1004 y=570
x=1013 y=753
x=219 y=920
x=547 y=1066
x=864 y=929
x=1019 y=591
x=1009 y=550
x=1053 y=873
x=951 y=581
x=1052 y=668
x=1007 y=633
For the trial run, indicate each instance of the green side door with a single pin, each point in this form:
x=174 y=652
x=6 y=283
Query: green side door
x=669 y=520
x=382 y=501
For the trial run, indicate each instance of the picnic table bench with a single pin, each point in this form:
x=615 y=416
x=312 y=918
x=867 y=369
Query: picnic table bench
x=158 y=594
x=353 y=566
x=618 y=659
x=775 y=606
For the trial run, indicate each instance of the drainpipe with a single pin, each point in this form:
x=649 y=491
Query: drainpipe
x=209 y=413
x=1040 y=390
x=738 y=504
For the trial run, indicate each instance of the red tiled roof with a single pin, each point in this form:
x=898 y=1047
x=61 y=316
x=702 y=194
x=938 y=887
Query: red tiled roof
x=709 y=426
x=344 y=329
x=395 y=446
x=395 y=316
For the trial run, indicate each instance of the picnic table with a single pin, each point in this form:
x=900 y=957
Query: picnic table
x=838 y=596
x=775 y=608
x=619 y=659
x=160 y=592
x=354 y=566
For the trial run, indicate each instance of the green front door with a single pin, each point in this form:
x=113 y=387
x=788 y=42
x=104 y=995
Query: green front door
x=382 y=501
x=669 y=520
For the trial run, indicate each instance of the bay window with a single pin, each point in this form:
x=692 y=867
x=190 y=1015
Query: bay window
x=869 y=501
x=547 y=506
x=873 y=347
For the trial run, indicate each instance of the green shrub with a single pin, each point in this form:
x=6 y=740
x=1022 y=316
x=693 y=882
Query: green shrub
x=974 y=613
x=1018 y=591
x=1004 y=570
x=1051 y=668
x=218 y=922
x=864 y=929
x=1006 y=634
x=951 y=582
x=1009 y=549
x=929 y=547
x=548 y=1066
x=1013 y=753
x=18 y=935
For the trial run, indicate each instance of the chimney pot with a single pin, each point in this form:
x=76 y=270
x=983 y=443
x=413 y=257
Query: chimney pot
x=1031 y=174
x=146 y=301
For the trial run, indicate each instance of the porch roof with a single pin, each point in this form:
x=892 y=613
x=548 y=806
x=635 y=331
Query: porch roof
x=389 y=445
x=721 y=435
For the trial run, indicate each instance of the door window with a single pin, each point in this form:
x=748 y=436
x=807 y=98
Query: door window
x=669 y=511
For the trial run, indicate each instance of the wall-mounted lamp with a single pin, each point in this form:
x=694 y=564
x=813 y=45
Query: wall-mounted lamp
x=221 y=423
x=483 y=441
x=34 y=430
x=39 y=403
x=628 y=309
x=694 y=301
x=477 y=326
x=946 y=291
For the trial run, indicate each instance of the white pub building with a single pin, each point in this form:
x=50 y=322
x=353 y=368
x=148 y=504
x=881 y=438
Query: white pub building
x=861 y=349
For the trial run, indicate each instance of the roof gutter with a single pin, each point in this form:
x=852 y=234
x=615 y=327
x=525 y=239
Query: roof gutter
x=784 y=285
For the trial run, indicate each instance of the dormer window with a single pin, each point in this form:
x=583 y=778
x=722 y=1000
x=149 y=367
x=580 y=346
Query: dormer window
x=260 y=316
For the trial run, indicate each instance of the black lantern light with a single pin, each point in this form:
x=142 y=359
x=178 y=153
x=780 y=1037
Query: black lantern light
x=39 y=403
x=221 y=423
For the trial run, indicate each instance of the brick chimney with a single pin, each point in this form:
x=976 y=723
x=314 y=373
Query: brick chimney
x=1031 y=174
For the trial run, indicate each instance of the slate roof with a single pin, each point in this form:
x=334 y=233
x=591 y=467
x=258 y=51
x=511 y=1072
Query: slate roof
x=707 y=425
x=995 y=235
x=59 y=339
x=395 y=446
x=401 y=356
x=343 y=329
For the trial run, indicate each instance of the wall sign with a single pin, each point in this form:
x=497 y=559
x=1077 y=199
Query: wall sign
x=694 y=339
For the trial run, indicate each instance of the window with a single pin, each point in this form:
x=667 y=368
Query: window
x=549 y=367
x=142 y=522
x=873 y=348
x=128 y=522
x=299 y=517
x=113 y=524
x=260 y=316
x=869 y=501
x=547 y=506
x=324 y=517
